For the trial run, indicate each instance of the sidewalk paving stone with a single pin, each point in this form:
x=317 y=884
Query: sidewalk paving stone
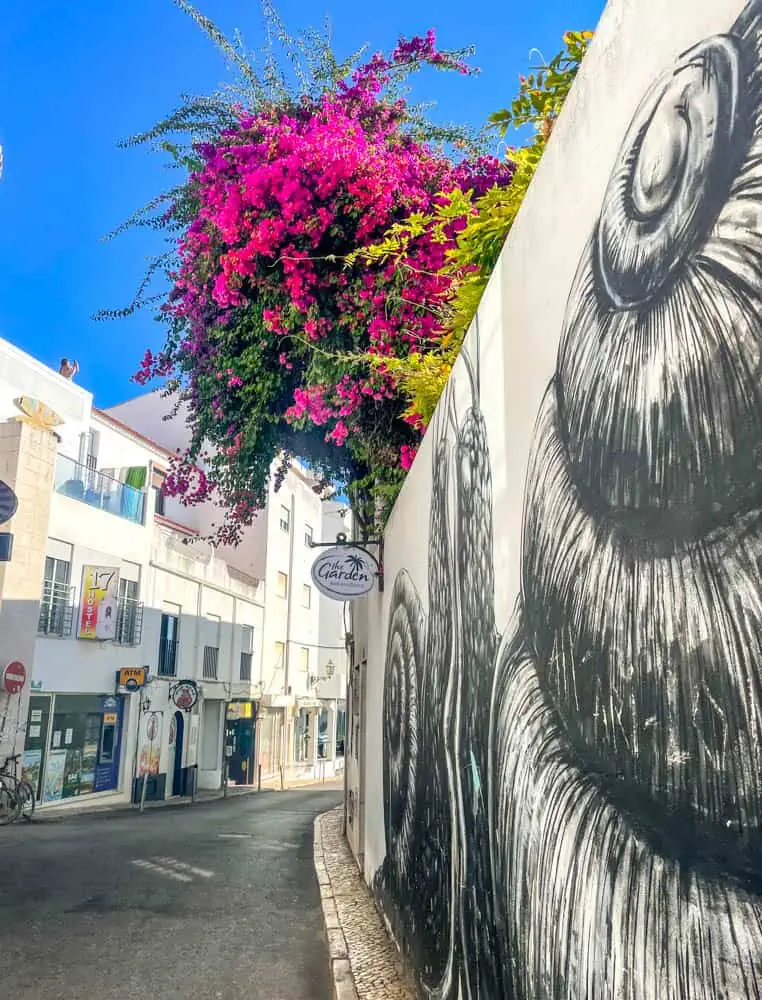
x=365 y=963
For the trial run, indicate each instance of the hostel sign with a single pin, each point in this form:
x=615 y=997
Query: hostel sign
x=100 y=601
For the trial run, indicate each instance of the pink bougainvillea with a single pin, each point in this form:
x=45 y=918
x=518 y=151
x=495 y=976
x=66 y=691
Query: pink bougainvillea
x=265 y=314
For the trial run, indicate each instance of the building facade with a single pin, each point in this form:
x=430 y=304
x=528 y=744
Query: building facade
x=299 y=712
x=107 y=575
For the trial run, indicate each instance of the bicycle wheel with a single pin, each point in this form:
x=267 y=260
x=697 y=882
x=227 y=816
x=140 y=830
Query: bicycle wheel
x=8 y=803
x=25 y=796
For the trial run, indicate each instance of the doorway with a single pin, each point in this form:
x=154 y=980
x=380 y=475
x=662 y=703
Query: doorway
x=240 y=737
x=177 y=769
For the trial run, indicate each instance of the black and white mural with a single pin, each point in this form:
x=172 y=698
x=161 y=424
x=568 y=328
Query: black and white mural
x=573 y=808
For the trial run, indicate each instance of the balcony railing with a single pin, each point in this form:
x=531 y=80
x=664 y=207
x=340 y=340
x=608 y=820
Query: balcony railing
x=56 y=609
x=245 y=674
x=168 y=657
x=211 y=657
x=98 y=489
x=129 y=622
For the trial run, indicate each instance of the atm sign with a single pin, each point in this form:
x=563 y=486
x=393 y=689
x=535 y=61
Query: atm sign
x=131 y=678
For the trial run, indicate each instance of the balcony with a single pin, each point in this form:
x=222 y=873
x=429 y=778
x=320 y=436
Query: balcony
x=168 y=658
x=98 y=489
x=56 y=609
x=211 y=657
x=129 y=622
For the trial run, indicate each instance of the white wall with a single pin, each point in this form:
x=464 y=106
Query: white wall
x=479 y=800
x=22 y=375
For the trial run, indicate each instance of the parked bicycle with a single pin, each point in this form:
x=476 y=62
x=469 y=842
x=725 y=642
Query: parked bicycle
x=16 y=794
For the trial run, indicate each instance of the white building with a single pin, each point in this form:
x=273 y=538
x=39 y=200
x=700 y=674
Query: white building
x=100 y=580
x=300 y=633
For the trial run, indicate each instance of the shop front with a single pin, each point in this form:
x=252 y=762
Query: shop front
x=240 y=741
x=73 y=744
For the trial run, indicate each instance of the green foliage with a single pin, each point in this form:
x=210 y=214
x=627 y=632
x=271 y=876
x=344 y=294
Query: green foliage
x=471 y=260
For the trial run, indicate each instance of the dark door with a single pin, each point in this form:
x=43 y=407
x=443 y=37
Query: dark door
x=240 y=735
x=177 y=777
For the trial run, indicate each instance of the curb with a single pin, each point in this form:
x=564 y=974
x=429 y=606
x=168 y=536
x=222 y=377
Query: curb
x=120 y=809
x=342 y=981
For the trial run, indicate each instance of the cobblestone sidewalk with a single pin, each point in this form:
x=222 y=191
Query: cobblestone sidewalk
x=364 y=962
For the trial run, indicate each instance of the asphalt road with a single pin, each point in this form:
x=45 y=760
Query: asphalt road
x=217 y=900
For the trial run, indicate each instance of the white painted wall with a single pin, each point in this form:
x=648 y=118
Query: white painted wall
x=22 y=375
x=513 y=346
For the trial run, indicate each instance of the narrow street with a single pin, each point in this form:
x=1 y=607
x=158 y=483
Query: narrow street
x=218 y=900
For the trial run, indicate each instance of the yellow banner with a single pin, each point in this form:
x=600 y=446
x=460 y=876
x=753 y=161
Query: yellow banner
x=100 y=601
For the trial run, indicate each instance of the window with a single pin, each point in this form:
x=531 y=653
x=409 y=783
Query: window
x=246 y=658
x=211 y=659
x=281 y=585
x=158 y=500
x=129 y=617
x=306 y=596
x=304 y=659
x=157 y=486
x=280 y=655
x=56 y=603
x=285 y=519
x=308 y=535
x=212 y=630
x=247 y=652
x=168 y=643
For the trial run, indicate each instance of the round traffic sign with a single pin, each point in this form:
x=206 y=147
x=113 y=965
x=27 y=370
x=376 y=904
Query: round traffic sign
x=8 y=502
x=14 y=677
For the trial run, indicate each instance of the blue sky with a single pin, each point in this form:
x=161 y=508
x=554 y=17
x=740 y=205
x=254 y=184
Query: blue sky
x=77 y=77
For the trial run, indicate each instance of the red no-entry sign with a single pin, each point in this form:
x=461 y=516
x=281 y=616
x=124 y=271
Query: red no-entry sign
x=14 y=677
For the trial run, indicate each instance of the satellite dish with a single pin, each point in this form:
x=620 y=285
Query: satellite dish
x=8 y=502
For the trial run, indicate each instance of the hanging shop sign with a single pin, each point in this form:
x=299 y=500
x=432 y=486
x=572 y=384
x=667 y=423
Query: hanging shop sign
x=131 y=678
x=344 y=572
x=14 y=677
x=184 y=695
x=100 y=601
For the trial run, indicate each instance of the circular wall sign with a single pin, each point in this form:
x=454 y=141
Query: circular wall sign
x=8 y=502
x=131 y=684
x=344 y=572
x=14 y=677
x=185 y=695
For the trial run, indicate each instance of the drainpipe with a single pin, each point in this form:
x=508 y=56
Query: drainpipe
x=289 y=606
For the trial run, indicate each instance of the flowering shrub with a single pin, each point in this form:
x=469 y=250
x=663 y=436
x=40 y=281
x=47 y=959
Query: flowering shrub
x=487 y=217
x=267 y=322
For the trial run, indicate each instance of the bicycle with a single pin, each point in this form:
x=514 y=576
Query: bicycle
x=17 y=799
